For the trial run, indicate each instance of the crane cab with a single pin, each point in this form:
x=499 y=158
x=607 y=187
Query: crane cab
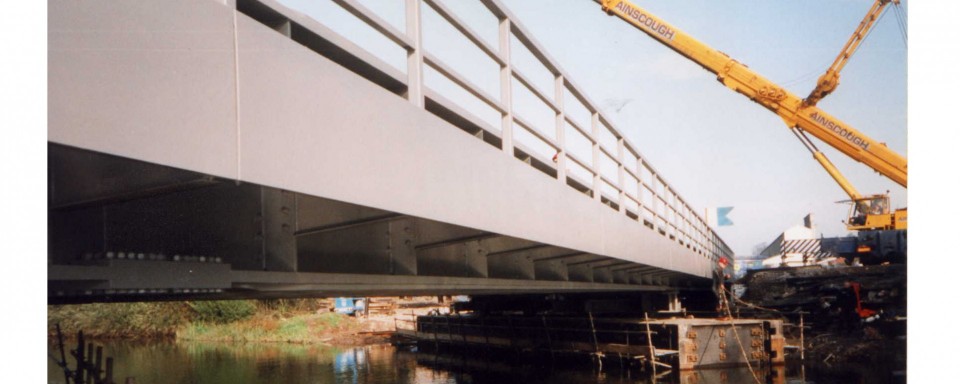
x=873 y=213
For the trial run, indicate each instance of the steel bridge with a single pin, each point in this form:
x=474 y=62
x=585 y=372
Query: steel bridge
x=244 y=148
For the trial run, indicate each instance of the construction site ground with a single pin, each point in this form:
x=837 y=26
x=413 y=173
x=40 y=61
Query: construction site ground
x=386 y=315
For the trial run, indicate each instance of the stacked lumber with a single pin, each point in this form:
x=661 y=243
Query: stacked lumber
x=385 y=306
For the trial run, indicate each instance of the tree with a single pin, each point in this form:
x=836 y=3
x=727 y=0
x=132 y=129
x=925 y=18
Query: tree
x=758 y=249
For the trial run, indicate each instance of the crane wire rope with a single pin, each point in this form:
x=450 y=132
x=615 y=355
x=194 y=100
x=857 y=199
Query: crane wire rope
x=901 y=16
x=807 y=76
x=736 y=335
x=815 y=72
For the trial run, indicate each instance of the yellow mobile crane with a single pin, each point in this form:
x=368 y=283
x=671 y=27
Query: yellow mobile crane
x=802 y=116
x=866 y=212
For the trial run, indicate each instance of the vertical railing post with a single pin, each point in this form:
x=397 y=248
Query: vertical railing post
x=666 y=207
x=640 y=205
x=561 y=129
x=655 y=194
x=674 y=214
x=621 y=199
x=506 y=91
x=414 y=55
x=662 y=205
x=684 y=223
x=595 y=131
x=670 y=200
x=713 y=246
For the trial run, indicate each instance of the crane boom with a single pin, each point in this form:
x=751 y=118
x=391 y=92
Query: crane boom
x=829 y=81
x=791 y=108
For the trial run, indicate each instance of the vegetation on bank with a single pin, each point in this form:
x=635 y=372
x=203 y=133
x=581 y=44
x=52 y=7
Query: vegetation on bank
x=295 y=321
x=119 y=320
x=306 y=328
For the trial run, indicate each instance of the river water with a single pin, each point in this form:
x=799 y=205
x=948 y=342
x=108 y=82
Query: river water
x=223 y=363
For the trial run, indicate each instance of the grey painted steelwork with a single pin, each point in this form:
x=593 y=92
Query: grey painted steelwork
x=250 y=132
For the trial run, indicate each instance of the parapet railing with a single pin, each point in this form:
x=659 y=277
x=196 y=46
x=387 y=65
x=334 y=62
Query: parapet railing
x=551 y=125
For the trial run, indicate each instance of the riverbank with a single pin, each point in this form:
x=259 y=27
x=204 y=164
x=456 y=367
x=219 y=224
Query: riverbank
x=300 y=321
x=860 y=347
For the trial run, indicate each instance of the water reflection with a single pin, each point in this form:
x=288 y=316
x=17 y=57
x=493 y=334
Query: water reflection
x=471 y=369
x=774 y=375
x=199 y=362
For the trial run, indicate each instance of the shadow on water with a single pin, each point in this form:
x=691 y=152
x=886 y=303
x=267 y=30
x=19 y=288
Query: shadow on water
x=205 y=362
x=577 y=369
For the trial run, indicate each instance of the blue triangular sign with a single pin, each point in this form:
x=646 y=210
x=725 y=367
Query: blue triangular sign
x=722 y=219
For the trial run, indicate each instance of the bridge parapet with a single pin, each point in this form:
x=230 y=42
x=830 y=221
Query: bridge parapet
x=309 y=164
x=579 y=146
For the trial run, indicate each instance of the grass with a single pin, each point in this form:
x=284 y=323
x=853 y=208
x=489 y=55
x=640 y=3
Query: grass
x=222 y=311
x=119 y=320
x=303 y=328
x=288 y=321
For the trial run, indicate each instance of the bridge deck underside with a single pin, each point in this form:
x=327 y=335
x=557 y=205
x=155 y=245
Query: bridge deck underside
x=197 y=151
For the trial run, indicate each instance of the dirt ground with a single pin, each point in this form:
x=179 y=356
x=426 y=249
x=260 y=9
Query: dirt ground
x=866 y=346
x=380 y=328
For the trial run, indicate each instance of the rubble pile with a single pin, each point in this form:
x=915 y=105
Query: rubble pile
x=836 y=297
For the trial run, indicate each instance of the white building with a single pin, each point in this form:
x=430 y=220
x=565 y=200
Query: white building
x=797 y=246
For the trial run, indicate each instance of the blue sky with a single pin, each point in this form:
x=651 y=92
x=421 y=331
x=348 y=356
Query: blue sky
x=715 y=147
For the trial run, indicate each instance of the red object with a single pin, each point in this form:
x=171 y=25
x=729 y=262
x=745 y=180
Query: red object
x=863 y=312
x=723 y=260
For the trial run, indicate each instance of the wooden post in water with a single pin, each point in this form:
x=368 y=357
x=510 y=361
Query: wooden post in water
x=593 y=330
x=89 y=359
x=596 y=345
x=98 y=367
x=546 y=329
x=486 y=335
x=88 y=364
x=63 y=356
x=78 y=355
x=513 y=337
x=801 y=336
x=653 y=354
x=108 y=378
